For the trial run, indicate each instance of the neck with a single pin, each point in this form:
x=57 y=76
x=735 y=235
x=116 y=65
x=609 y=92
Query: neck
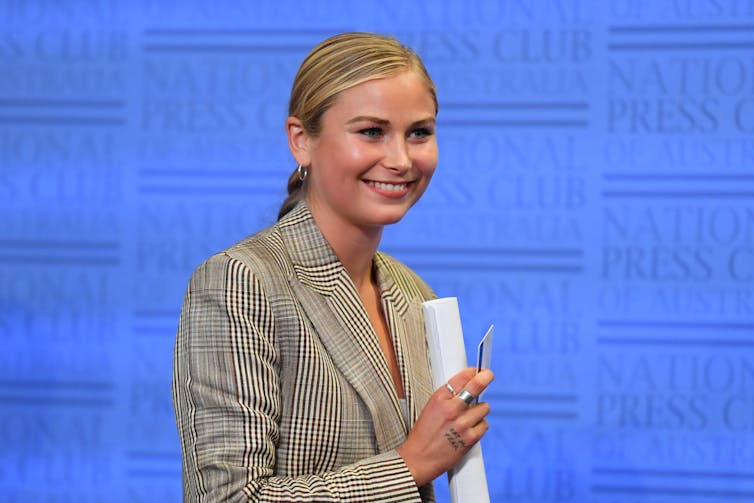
x=354 y=246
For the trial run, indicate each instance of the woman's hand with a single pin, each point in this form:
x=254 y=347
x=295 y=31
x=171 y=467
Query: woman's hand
x=447 y=427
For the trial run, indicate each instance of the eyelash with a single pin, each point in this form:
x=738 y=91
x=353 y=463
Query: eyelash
x=423 y=132
x=374 y=132
x=371 y=132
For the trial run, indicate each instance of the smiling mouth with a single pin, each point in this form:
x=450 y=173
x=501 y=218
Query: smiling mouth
x=391 y=187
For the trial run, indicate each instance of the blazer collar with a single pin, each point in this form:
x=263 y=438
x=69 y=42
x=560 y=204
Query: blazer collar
x=316 y=265
x=331 y=302
x=406 y=322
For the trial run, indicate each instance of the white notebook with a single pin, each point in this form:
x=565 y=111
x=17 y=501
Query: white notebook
x=447 y=354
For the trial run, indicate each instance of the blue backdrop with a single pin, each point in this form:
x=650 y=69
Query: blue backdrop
x=593 y=200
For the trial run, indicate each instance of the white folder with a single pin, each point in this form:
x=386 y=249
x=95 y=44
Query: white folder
x=447 y=354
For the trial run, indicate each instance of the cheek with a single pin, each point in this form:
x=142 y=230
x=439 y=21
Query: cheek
x=348 y=146
x=341 y=151
x=362 y=154
x=427 y=159
x=428 y=173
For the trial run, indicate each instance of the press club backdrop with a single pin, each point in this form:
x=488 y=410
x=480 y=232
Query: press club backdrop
x=593 y=200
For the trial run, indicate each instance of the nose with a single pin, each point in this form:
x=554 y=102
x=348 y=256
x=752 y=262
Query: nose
x=397 y=157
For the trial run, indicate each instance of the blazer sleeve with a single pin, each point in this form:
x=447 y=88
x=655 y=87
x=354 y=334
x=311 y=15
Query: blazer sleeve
x=226 y=397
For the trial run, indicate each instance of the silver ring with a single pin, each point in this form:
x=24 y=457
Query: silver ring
x=467 y=397
x=450 y=388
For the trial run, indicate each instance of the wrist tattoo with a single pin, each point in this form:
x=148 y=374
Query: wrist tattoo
x=455 y=439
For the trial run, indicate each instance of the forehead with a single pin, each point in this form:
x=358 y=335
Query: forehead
x=406 y=92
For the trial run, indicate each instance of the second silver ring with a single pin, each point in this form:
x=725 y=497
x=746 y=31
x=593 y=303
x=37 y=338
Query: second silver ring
x=467 y=397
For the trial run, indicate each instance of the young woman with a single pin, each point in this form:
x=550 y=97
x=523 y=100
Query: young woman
x=301 y=369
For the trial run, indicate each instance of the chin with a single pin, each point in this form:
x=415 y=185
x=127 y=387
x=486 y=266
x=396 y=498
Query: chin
x=393 y=221
x=390 y=217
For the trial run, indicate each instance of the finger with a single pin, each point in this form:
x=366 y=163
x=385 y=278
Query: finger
x=450 y=389
x=477 y=384
x=458 y=381
x=474 y=414
x=478 y=430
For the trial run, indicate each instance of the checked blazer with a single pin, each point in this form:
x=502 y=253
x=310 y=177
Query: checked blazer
x=280 y=387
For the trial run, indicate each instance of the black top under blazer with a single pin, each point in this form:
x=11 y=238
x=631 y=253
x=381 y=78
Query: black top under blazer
x=280 y=387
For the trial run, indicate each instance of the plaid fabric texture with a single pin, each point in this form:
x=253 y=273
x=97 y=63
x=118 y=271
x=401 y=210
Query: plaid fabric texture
x=280 y=387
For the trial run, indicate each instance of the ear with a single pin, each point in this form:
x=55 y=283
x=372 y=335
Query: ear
x=299 y=141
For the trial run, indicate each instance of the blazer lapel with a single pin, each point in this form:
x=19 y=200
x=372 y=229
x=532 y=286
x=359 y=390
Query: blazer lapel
x=407 y=328
x=332 y=304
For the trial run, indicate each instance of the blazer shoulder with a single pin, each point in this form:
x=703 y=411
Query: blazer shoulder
x=406 y=279
x=262 y=254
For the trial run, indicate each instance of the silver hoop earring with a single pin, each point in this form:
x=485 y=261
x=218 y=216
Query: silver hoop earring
x=302 y=172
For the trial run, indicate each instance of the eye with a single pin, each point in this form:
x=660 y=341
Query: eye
x=421 y=133
x=371 y=132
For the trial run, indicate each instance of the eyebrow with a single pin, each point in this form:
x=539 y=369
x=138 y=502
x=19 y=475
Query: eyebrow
x=369 y=118
x=385 y=122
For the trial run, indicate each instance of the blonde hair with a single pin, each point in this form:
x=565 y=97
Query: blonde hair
x=335 y=65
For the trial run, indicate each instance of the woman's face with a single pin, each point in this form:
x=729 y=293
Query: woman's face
x=375 y=154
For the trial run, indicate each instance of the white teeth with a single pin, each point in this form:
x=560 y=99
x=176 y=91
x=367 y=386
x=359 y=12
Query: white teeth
x=392 y=187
